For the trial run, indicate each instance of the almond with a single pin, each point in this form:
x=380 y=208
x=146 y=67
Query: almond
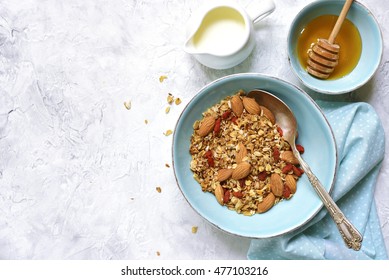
x=266 y=203
x=242 y=170
x=291 y=183
x=241 y=153
x=276 y=184
x=289 y=157
x=268 y=114
x=251 y=106
x=224 y=174
x=219 y=194
x=206 y=126
x=236 y=105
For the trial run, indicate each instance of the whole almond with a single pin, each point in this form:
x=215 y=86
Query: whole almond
x=276 y=184
x=266 y=203
x=291 y=183
x=224 y=174
x=251 y=106
x=219 y=194
x=206 y=126
x=289 y=157
x=236 y=105
x=241 y=153
x=242 y=170
x=268 y=114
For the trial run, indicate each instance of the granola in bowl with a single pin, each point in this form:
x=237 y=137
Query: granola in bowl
x=239 y=155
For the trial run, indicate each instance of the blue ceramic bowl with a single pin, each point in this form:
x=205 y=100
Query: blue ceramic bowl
x=315 y=135
x=371 y=54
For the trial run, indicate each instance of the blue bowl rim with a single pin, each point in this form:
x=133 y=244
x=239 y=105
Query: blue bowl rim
x=368 y=78
x=252 y=74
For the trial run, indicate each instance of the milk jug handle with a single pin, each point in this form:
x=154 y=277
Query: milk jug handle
x=259 y=9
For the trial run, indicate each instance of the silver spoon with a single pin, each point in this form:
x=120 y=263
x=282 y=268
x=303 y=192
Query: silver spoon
x=286 y=120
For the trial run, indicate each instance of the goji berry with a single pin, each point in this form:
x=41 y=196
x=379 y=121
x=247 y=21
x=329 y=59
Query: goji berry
x=276 y=154
x=208 y=154
x=241 y=182
x=237 y=194
x=234 y=120
x=226 y=196
x=279 y=129
x=300 y=148
x=211 y=162
x=297 y=171
x=226 y=115
x=288 y=167
x=262 y=176
x=216 y=128
x=286 y=192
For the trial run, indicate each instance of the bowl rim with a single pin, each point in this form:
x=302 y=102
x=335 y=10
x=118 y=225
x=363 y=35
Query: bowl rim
x=266 y=76
x=318 y=89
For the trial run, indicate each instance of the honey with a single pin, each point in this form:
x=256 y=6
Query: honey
x=348 y=39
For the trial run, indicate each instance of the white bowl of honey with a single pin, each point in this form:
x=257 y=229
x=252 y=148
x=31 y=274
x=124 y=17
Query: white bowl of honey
x=360 y=42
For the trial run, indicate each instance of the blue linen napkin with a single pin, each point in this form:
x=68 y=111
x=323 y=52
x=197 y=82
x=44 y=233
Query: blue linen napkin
x=360 y=141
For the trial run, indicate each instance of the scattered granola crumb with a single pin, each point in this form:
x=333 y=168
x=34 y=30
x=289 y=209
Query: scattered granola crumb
x=167 y=110
x=177 y=101
x=146 y=121
x=168 y=132
x=162 y=78
x=158 y=253
x=167 y=165
x=158 y=189
x=170 y=98
x=194 y=229
x=127 y=104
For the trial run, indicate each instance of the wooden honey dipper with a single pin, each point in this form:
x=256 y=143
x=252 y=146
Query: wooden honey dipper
x=324 y=55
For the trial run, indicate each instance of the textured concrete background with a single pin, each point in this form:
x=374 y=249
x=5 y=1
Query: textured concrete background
x=78 y=171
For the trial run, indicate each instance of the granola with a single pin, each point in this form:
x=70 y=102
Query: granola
x=250 y=144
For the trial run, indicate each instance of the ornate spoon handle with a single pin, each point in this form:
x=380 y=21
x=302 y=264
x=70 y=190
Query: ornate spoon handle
x=349 y=233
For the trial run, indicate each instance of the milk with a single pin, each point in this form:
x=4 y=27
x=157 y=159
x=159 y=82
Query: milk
x=222 y=32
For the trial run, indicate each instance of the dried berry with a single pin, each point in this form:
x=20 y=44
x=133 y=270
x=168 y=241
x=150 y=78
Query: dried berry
x=300 y=148
x=227 y=195
x=226 y=115
x=297 y=171
x=276 y=154
x=279 y=129
x=216 y=128
x=237 y=194
x=262 y=176
x=287 y=168
x=286 y=192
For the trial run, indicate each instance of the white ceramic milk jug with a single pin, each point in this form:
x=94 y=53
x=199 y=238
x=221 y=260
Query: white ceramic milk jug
x=220 y=34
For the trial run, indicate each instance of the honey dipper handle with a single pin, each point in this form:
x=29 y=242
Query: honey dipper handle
x=340 y=20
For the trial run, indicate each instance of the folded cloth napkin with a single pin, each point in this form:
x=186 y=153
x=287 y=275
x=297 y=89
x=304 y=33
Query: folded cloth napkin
x=360 y=141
